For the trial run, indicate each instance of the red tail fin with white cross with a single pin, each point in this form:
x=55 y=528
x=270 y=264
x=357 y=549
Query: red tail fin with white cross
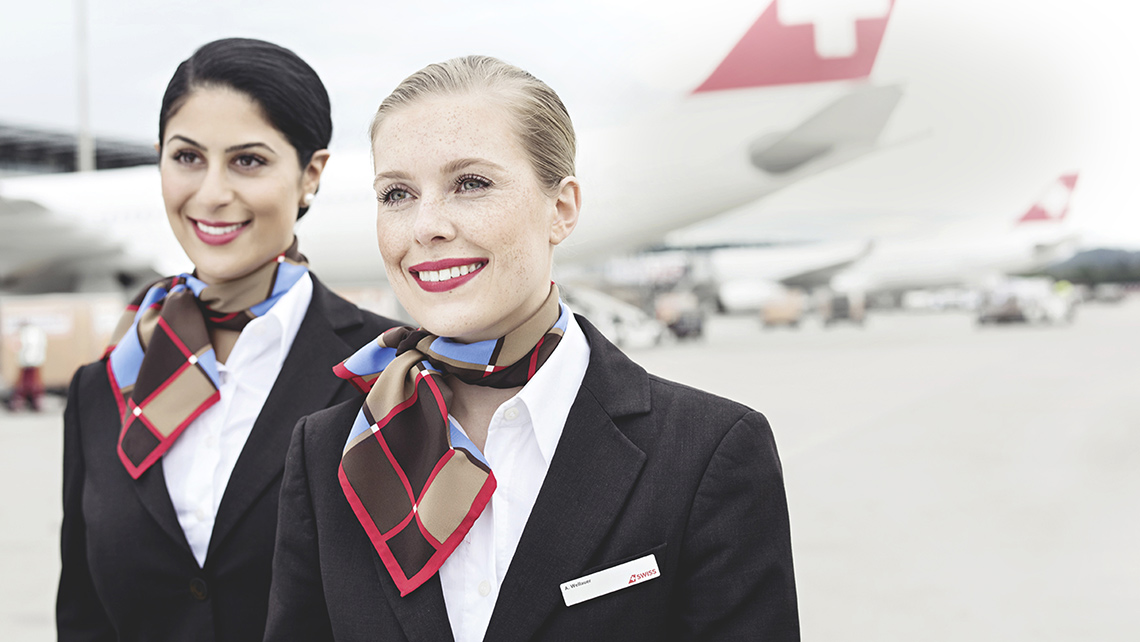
x=1054 y=203
x=798 y=41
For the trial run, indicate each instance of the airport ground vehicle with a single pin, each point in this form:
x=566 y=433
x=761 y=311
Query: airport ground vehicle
x=788 y=307
x=681 y=312
x=626 y=325
x=843 y=306
x=1028 y=300
x=1108 y=292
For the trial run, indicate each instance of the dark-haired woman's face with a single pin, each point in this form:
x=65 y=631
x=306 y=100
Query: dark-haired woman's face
x=231 y=183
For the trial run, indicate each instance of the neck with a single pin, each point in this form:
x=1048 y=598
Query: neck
x=473 y=407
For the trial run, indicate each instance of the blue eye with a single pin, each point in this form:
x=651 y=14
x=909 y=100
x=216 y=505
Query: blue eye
x=393 y=195
x=472 y=183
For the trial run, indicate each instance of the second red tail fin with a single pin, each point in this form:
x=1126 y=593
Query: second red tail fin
x=1054 y=203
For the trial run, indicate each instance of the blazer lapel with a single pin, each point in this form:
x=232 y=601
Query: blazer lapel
x=593 y=470
x=422 y=613
x=151 y=485
x=303 y=386
x=152 y=492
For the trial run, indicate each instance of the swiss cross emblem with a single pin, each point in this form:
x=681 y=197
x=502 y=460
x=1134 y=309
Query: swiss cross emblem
x=834 y=21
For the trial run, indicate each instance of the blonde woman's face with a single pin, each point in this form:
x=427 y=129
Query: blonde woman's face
x=465 y=230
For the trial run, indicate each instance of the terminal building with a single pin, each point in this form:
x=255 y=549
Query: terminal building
x=29 y=150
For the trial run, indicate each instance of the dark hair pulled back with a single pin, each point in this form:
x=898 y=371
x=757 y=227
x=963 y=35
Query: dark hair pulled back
x=290 y=94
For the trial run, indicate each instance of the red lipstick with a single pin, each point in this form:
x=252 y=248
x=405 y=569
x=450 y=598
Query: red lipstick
x=218 y=239
x=440 y=276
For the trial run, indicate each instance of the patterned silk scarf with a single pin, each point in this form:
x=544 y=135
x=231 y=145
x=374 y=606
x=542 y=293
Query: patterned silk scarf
x=415 y=481
x=161 y=361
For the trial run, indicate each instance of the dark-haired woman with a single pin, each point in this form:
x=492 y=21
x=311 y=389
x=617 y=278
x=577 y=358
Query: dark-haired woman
x=174 y=442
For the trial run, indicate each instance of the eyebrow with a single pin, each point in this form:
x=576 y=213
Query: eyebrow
x=232 y=148
x=463 y=163
x=450 y=168
x=395 y=175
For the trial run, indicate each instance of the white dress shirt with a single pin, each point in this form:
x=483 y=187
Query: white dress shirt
x=521 y=439
x=198 y=466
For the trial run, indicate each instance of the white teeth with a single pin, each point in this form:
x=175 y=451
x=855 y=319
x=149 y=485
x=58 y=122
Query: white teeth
x=434 y=276
x=217 y=230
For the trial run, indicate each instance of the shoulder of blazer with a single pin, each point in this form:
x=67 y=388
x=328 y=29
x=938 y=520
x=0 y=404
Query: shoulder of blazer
x=91 y=396
x=625 y=389
x=322 y=436
x=326 y=430
x=355 y=324
x=86 y=376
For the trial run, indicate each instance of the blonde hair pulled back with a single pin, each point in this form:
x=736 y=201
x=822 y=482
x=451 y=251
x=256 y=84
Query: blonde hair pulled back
x=539 y=117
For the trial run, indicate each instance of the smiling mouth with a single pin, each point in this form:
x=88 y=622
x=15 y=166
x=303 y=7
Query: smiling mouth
x=446 y=274
x=218 y=230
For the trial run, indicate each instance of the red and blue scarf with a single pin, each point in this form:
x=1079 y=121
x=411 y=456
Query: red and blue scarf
x=414 y=480
x=162 y=362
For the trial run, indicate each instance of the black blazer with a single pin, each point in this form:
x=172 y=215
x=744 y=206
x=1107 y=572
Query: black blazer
x=128 y=572
x=644 y=466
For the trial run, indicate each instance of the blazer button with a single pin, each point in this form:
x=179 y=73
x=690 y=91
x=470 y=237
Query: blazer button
x=198 y=589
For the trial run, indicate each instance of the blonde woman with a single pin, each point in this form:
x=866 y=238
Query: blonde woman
x=510 y=474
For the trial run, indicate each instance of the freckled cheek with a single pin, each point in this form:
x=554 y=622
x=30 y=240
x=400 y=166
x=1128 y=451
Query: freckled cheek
x=392 y=254
x=519 y=269
x=387 y=241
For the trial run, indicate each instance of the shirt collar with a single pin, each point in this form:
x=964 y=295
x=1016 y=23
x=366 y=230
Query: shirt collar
x=550 y=393
x=284 y=318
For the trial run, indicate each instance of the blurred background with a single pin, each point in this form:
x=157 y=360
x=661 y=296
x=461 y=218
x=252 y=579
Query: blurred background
x=920 y=218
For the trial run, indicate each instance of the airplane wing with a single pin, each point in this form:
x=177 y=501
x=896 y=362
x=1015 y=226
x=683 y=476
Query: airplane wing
x=38 y=241
x=848 y=127
x=795 y=265
x=821 y=273
x=82 y=231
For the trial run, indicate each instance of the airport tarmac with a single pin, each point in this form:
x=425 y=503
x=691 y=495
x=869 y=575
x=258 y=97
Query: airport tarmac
x=945 y=482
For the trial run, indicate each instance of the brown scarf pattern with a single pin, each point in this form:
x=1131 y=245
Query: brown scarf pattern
x=162 y=361
x=415 y=482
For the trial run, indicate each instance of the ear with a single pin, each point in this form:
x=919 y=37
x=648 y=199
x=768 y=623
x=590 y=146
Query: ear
x=158 y=146
x=311 y=176
x=568 y=202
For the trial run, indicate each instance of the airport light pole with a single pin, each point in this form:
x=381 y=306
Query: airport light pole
x=85 y=144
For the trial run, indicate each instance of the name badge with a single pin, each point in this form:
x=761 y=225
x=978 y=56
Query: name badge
x=610 y=579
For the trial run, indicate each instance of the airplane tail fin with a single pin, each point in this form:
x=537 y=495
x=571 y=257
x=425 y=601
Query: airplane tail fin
x=1054 y=203
x=797 y=43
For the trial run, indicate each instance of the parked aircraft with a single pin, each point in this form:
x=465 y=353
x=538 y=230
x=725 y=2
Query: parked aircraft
x=784 y=104
x=746 y=278
x=1039 y=237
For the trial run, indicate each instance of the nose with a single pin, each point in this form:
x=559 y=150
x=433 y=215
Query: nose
x=215 y=191
x=433 y=222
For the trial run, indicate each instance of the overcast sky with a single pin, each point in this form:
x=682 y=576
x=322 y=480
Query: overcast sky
x=1004 y=94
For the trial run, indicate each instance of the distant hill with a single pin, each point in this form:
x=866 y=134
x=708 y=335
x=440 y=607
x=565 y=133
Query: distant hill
x=1098 y=266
